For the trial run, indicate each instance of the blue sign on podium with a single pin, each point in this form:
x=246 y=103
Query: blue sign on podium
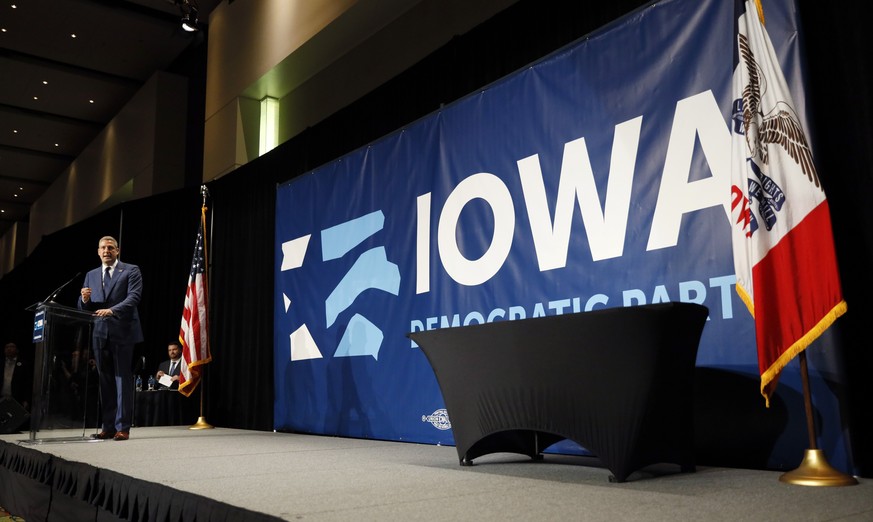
x=38 y=326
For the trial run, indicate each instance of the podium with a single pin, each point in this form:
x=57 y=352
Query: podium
x=64 y=375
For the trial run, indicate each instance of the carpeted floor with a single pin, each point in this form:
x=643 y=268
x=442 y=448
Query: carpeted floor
x=321 y=478
x=6 y=516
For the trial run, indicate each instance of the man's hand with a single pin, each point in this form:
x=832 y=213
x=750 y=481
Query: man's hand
x=86 y=295
x=104 y=312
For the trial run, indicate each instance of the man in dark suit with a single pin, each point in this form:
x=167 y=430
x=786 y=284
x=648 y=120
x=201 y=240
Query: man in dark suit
x=113 y=292
x=172 y=367
x=15 y=377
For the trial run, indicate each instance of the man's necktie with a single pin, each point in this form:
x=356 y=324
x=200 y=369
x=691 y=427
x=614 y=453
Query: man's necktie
x=172 y=366
x=106 y=277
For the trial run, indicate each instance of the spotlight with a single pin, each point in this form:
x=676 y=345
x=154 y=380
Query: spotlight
x=188 y=9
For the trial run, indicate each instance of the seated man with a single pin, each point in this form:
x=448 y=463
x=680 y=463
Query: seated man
x=15 y=377
x=172 y=367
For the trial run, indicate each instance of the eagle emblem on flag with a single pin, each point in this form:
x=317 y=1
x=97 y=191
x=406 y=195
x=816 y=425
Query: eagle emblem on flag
x=780 y=126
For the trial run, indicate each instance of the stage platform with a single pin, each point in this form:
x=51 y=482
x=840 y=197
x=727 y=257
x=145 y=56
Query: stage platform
x=175 y=473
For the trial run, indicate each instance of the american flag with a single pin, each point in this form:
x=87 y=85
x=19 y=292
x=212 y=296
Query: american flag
x=194 y=333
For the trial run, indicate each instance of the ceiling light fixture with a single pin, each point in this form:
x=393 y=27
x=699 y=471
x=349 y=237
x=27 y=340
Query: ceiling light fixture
x=188 y=9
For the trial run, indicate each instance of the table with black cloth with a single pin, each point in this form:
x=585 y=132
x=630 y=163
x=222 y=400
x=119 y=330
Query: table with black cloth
x=164 y=408
x=619 y=382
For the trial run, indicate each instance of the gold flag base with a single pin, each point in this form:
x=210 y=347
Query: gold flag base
x=815 y=471
x=201 y=424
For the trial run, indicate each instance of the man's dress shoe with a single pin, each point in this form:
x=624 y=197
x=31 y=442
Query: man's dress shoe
x=103 y=435
x=122 y=435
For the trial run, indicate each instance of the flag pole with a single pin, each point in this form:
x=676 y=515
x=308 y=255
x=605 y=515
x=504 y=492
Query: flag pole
x=201 y=423
x=759 y=87
x=814 y=470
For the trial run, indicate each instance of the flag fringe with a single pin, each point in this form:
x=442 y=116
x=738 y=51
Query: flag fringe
x=760 y=9
x=770 y=376
x=746 y=298
x=200 y=362
x=195 y=377
x=185 y=391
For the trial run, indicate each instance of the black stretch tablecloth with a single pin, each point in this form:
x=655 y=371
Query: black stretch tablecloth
x=164 y=408
x=618 y=381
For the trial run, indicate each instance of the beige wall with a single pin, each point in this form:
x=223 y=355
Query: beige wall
x=12 y=247
x=247 y=38
x=315 y=58
x=141 y=152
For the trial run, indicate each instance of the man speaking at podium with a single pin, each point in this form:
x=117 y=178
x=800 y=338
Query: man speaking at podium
x=113 y=292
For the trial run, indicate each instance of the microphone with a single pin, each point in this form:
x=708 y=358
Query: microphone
x=51 y=296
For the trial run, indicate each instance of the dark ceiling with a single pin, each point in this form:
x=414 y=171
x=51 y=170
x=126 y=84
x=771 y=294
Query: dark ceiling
x=67 y=67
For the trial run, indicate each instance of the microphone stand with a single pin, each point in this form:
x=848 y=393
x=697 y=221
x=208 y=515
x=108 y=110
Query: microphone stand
x=51 y=296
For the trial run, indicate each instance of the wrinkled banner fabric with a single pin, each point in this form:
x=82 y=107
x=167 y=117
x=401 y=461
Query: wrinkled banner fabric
x=596 y=177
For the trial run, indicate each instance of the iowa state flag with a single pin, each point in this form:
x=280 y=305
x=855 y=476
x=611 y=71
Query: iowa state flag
x=782 y=241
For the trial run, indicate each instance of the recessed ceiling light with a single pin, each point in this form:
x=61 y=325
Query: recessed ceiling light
x=14 y=131
x=90 y=101
x=45 y=82
x=14 y=195
x=56 y=145
x=14 y=6
x=3 y=29
x=35 y=97
x=73 y=35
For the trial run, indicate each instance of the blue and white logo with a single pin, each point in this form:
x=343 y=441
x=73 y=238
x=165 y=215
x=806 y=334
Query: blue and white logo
x=38 y=326
x=439 y=419
x=371 y=270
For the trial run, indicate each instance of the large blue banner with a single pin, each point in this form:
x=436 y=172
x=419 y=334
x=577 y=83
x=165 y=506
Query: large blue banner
x=597 y=177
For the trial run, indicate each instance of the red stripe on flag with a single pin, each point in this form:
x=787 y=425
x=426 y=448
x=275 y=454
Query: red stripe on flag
x=797 y=294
